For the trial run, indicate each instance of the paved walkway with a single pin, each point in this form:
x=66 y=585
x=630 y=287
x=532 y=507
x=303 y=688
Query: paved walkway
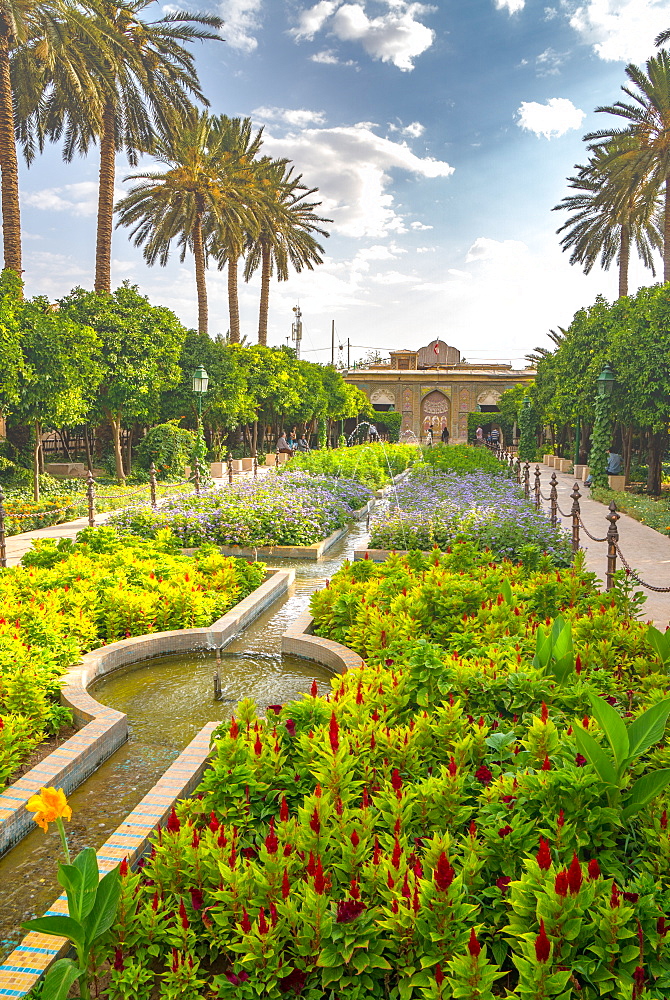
x=646 y=550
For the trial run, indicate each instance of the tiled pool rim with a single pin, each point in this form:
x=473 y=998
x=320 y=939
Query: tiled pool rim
x=104 y=729
x=21 y=970
x=298 y=640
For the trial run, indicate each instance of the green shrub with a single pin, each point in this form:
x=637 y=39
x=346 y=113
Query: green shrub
x=169 y=447
x=374 y=465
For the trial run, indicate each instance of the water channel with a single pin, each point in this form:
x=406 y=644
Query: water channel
x=167 y=701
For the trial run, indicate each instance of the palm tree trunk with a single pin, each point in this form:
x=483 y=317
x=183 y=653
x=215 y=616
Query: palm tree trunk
x=233 y=304
x=9 y=167
x=103 y=245
x=118 y=457
x=265 y=295
x=624 y=259
x=666 y=232
x=200 y=282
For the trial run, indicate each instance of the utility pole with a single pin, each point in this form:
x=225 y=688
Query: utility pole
x=332 y=343
x=296 y=330
x=348 y=353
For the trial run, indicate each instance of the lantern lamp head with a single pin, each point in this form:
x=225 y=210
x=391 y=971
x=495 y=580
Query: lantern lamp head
x=200 y=381
x=605 y=381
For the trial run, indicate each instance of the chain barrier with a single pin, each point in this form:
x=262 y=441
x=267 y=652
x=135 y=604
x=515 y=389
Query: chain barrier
x=592 y=537
x=631 y=572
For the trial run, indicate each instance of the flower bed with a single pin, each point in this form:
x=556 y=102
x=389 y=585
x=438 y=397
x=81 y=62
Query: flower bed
x=445 y=826
x=374 y=465
x=69 y=598
x=654 y=512
x=292 y=509
x=436 y=508
x=464 y=458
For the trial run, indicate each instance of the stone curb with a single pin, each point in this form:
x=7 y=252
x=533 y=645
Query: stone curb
x=104 y=729
x=32 y=957
x=309 y=552
x=299 y=641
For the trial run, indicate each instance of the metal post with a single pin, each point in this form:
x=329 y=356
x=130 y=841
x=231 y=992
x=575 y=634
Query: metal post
x=612 y=542
x=575 y=517
x=3 y=550
x=230 y=469
x=538 y=499
x=152 y=482
x=553 y=498
x=197 y=476
x=517 y=470
x=255 y=467
x=526 y=480
x=90 y=494
x=276 y=460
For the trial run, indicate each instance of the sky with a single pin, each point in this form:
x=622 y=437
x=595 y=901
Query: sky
x=440 y=136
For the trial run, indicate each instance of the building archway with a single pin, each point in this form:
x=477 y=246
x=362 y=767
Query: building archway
x=435 y=410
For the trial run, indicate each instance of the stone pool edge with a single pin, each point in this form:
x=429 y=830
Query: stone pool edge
x=104 y=729
x=23 y=968
x=299 y=641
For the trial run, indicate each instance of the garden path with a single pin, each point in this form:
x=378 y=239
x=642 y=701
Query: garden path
x=18 y=545
x=646 y=550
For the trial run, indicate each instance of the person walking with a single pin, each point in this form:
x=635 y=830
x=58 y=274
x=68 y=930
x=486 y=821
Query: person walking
x=429 y=437
x=445 y=435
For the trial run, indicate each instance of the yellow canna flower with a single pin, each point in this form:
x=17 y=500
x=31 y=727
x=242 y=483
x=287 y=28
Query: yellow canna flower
x=49 y=806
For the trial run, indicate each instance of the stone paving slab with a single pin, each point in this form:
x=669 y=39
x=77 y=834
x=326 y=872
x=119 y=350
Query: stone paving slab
x=647 y=551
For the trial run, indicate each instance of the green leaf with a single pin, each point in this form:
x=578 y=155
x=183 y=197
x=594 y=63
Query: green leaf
x=101 y=917
x=596 y=756
x=80 y=881
x=648 y=728
x=645 y=789
x=614 y=728
x=660 y=643
x=59 y=925
x=59 y=979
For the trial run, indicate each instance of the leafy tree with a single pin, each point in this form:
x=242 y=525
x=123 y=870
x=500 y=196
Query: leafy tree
x=199 y=199
x=145 y=78
x=61 y=373
x=11 y=353
x=141 y=345
x=286 y=224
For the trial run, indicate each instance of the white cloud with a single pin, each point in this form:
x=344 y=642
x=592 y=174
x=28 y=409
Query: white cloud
x=418 y=226
x=550 y=13
x=549 y=62
x=328 y=57
x=426 y=249
x=396 y=35
x=242 y=20
x=78 y=199
x=620 y=29
x=298 y=117
x=553 y=119
x=485 y=249
x=513 y=6
x=393 y=278
x=412 y=131
x=354 y=167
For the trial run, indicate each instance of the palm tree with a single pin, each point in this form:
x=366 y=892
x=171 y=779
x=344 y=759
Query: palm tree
x=286 y=224
x=146 y=79
x=199 y=197
x=643 y=146
x=611 y=210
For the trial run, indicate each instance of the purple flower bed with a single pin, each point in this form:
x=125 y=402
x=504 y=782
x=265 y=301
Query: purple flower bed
x=293 y=509
x=432 y=508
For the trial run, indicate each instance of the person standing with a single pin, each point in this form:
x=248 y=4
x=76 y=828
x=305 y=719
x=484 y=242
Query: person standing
x=429 y=437
x=445 y=435
x=479 y=436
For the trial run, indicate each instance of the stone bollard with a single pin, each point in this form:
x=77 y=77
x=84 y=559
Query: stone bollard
x=90 y=496
x=152 y=483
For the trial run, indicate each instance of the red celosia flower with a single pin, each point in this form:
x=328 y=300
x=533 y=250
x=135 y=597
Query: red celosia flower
x=503 y=882
x=173 y=824
x=334 y=732
x=123 y=868
x=542 y=945
x=543 y=856
x=283 y=810
x=183 y=915
x=314 y=690
x=484 y=775
x=474 y=946
x=638 y=978
x=237 y=979
x=348 y=910
x=197 y=901
x=315 y=822
x=444 y=873
x=285 y=885
x=195 y=840
x=615 y=897
x=546 y=764
x=154 y=902
x=575 y=876
x=561 y=883
x=175 y=960
x=580 y=760
x=664 y=819
x=561 y=819
x=593 y=869
x=585 y=722
x=631 y=897
x=245 y=923
x=262 y=922
x=453 y=769
x=271 y=842
x=397 y=854
x=405 y=887
x=396 y=780
x=118 y=960
x=504 y=831
x=293 y=983
x=390 y=881
x=290 y=727
x=213 y=823
x=234 y=728
x=354 y=890
x=355 y=839
x=319 y=881
x=366 y=799
x=222 y=840
x=661 y=927
x=311 y=864
x=376 y=854
x=439 y=975
x=258 y=746
x=275 y=708
x=545 y=713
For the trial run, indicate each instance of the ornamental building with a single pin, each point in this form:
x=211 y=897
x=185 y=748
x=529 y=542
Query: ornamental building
x=433 y=386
